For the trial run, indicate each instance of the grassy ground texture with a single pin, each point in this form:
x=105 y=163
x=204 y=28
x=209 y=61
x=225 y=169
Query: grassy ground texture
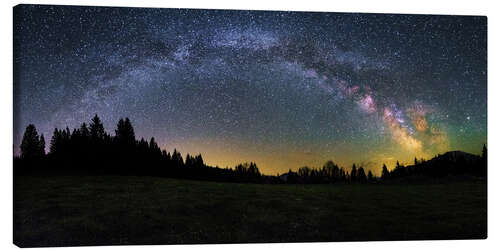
x=114 y=210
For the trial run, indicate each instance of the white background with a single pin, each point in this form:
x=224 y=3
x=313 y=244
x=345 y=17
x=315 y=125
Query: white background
x=471 y=7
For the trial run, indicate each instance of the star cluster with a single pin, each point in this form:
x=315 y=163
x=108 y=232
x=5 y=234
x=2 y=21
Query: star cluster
x=284 y=89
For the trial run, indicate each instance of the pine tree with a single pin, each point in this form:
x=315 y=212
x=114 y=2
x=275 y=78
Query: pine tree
x=342 y=174
x=30 y=145
x=370 y=176
x=189 y=161
x=353 y=173
x=385 y=172
x=97 y=130
x=84 y=131
x=66 y=136
x=55 y=142
x=42 y=146
x=125 y=133
x=177 y=158
x=360 y=175
x=199 y=161
x=154 y=148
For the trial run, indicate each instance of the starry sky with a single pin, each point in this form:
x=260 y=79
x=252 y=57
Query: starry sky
x=283 y=89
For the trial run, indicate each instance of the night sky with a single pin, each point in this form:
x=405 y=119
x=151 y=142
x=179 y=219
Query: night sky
x=283 y=89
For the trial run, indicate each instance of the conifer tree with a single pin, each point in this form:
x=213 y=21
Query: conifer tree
x=360 y=175
x=55 y=142
x=96 y=130
x=30 y=144
x=84 y=131
x=353 y=173
x=42 y=145
x=385 y=172
x=370 y=176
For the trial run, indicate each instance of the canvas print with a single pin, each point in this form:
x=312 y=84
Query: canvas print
x=193 y=126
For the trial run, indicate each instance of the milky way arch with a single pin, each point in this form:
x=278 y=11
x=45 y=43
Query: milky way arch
x=284 y=89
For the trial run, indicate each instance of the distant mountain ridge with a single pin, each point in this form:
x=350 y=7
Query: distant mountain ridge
x=453 y=163
x=457 y=156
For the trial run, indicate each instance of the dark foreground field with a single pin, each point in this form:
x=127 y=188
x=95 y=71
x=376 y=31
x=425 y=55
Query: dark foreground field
x=63 y=211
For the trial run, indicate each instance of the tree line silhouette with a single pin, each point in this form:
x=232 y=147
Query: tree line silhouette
x=330 y=173
x=90 y=150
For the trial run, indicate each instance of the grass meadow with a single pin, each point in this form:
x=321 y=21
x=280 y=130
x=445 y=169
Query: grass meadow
x=116 y=210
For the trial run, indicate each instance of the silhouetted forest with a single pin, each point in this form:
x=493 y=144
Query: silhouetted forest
x=90 y=150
